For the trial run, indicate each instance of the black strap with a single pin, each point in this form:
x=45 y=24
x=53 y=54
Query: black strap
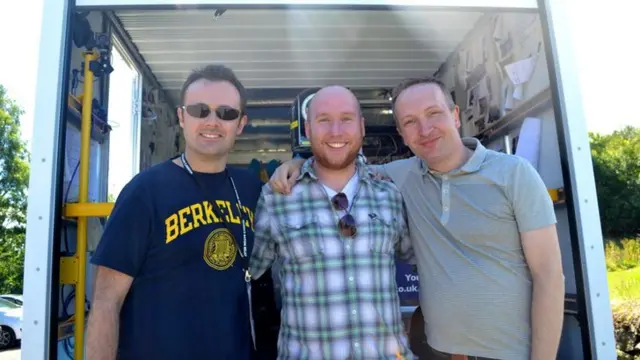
x=244 y=255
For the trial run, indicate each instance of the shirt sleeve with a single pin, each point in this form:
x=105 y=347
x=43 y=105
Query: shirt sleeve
x=532 y=205
x=265 y=236
x=404 y=247
x=126 y=237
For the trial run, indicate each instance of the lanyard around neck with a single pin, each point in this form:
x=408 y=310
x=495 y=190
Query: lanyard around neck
x=243 y=253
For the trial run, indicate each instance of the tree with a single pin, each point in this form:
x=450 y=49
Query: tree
x=14 y=178
x=616 y=162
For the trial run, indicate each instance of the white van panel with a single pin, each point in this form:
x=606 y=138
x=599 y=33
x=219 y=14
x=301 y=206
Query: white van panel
x=581 y=178
x=42 y=209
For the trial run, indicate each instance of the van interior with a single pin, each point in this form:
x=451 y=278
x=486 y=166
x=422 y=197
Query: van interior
x=493 y=63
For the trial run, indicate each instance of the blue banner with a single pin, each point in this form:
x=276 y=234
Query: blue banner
x=408 y=284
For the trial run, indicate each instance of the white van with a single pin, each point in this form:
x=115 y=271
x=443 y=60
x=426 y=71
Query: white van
x=508 y=63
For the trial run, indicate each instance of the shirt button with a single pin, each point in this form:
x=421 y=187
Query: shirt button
x=350 y=278
x=356 y=344
x=354 y=312
x=446 y=208
x=348 y=247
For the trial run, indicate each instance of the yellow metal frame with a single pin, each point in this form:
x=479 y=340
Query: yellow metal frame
x=73 y=269
x=557 y=195
x=77 y=210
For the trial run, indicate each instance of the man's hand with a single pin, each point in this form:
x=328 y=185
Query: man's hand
x=285 y=176
x=380 y=176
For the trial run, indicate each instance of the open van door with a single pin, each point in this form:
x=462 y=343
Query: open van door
x=564 y=159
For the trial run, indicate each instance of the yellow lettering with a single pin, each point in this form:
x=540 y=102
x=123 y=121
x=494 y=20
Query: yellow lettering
x=211 y=216
x=171 y=225
x=233 y=219
x=185 y=225
x=250 y=213
x=198 y=215
x=222 y=204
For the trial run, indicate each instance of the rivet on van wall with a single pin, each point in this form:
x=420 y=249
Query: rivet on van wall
x=43 y=159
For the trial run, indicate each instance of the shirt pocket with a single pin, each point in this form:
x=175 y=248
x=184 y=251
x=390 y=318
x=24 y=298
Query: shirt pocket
x=304 y=236
x=382 y=233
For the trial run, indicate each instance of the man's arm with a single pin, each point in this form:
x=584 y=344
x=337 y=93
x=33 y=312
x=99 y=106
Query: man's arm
x=536 y=220
x=542 y=253
x=404 y=246
x=118 y=257
x=111 y=288
x=285 y=176
x=265 y=248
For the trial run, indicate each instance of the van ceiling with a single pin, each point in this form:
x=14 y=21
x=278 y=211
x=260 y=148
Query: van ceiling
x=280 y=48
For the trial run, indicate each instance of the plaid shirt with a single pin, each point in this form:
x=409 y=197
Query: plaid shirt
x=339 y=295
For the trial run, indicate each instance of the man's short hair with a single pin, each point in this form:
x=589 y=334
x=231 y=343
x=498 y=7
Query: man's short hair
x=216 y=73
x=407 y=83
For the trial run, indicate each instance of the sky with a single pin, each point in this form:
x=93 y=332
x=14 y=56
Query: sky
x=604 y=51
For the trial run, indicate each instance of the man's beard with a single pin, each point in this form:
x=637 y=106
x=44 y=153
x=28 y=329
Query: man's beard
x=326 y=163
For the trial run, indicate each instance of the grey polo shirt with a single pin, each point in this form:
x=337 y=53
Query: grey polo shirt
x=475 y=286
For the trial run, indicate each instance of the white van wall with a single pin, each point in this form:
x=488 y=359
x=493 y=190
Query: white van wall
x=525 y=33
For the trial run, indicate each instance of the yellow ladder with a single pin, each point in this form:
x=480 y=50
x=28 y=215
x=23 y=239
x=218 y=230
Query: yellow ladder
x=73 y=268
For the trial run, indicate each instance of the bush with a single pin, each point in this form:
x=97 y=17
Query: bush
x=616 y=166
x=623 y=254
x=626 y=320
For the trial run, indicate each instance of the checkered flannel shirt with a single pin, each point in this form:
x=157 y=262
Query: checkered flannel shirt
x=339 y=295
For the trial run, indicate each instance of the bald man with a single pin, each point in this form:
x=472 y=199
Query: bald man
x=336 y=237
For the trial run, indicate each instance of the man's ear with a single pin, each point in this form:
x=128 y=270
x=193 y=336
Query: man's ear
x=456 y=116
x=241 y=124
x=307 y=131
x=179 y=112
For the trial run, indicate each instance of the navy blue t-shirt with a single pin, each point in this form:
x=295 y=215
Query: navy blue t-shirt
x=188 y=299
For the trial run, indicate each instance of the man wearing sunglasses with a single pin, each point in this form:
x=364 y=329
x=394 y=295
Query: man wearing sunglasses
x=172 y=279
x=483 y=230
x=336 y=238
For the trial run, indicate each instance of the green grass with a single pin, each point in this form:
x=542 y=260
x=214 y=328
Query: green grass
x=624 y=284
x=623 y=269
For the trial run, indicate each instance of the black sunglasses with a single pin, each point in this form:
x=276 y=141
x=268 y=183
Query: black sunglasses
x=347 y=224
x=201 y=111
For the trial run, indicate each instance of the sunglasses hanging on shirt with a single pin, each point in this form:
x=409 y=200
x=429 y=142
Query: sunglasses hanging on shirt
x=202 y=111
x=347 y=223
